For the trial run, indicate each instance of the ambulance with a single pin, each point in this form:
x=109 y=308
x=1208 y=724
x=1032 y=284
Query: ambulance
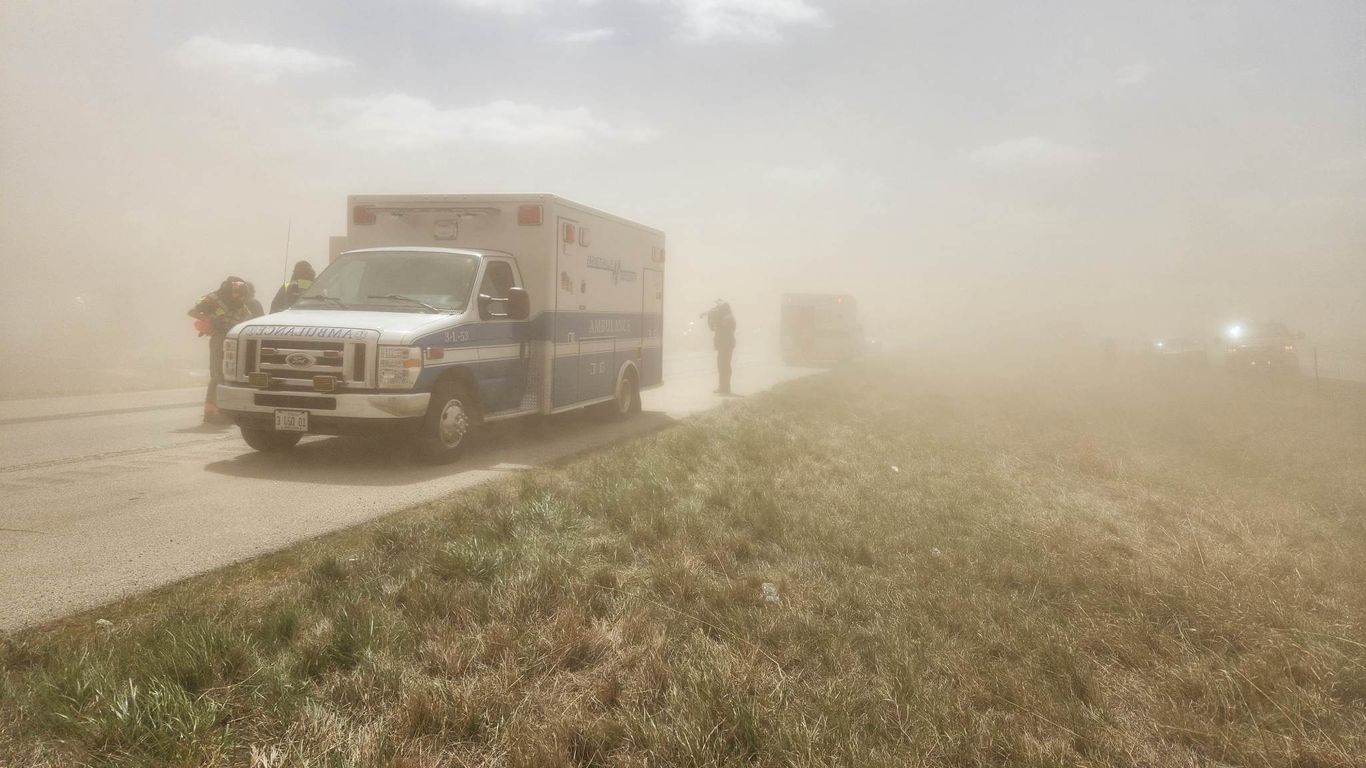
x=441 y=313
x=819 y=328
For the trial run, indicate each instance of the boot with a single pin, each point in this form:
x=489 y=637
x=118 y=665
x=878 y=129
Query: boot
x=211 y=414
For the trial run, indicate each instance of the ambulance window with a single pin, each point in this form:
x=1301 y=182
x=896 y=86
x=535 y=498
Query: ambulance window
x=497 y=280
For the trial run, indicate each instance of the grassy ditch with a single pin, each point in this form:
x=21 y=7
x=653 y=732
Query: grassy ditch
x=1081 y=569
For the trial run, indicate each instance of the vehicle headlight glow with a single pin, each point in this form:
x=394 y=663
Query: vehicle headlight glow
x=230 y=359
x=1235 y=331
x=399 y=367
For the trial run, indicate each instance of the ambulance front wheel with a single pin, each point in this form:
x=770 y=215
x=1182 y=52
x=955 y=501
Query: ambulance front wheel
x=449 y=425
x=269 y=441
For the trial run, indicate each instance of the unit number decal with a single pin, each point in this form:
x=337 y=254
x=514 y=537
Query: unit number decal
x=457 y=336
x=597 y=368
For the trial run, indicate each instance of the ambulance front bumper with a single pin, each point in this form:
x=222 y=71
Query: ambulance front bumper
x=373 y=406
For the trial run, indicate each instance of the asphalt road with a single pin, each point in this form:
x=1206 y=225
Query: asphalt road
x=106 y=496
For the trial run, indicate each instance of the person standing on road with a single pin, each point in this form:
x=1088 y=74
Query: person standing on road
x=300 y=281
x=721 y=321
x=215 y=314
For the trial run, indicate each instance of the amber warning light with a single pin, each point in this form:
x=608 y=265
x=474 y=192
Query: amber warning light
x=529 y=215
x=361 y=214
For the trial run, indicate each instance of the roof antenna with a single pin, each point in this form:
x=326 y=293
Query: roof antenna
x=288 y=232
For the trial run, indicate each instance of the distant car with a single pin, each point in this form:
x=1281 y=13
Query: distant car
x=1262 y=348
x=1179 y=351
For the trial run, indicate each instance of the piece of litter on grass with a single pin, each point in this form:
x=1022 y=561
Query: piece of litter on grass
x=104 y=623
x=935 y=551
x=770 y=592
x=895 y=468
x=353 y=558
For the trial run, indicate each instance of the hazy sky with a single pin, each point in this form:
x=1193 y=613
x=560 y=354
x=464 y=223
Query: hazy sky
x=1143 y=167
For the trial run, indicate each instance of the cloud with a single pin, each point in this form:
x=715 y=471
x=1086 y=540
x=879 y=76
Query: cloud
x=255 y=61
x=398 y=121
x=701 y=21
x=512 y=7
x=1133 y=74
x=749 y=20
x=1031 y=152
x=586 y=36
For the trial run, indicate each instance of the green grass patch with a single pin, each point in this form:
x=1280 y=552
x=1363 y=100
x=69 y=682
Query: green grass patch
x=1079 y=568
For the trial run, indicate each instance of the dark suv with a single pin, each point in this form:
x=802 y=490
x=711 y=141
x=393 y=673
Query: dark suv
x=1262 y=347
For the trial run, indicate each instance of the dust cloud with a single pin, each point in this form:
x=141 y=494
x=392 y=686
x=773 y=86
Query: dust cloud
x=974 y=176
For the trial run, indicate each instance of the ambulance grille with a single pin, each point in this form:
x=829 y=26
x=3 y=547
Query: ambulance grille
x=293 y=363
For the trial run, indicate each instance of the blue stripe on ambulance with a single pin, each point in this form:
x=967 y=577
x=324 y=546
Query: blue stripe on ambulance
x=605 y=341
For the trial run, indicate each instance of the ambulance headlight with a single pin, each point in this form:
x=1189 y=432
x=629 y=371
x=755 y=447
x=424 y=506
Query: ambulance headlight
x=399 y=367
x=230 y=359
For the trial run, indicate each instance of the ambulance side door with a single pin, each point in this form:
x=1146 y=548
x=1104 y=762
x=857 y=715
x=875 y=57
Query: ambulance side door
x=652 y=327
x=570 y=266
x=504 y=349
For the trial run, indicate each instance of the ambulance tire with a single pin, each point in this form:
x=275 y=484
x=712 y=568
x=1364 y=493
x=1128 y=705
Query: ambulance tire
x=624 y=404
x=450 y=424
x=270 y=441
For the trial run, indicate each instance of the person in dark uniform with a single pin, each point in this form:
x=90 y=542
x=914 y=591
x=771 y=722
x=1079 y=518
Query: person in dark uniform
x=300 y=281
x=215 y=314
x=721 y=321
x=254 y=308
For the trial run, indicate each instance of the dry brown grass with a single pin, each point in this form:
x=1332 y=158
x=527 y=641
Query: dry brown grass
x=1069 y=568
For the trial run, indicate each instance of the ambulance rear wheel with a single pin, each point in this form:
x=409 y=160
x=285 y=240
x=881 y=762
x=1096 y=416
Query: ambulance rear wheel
x=449 y=425
x=624 y=404
x=270 y=441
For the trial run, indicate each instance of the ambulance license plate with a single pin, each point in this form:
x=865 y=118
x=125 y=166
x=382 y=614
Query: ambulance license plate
x=291 y=421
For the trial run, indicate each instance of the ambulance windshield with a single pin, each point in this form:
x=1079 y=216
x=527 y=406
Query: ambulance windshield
x=395 y=281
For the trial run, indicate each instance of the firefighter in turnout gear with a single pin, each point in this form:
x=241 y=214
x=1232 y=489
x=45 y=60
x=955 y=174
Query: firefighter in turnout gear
x=214 y=315
x=300 y=281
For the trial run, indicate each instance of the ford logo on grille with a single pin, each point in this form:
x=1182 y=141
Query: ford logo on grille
x=300 y=360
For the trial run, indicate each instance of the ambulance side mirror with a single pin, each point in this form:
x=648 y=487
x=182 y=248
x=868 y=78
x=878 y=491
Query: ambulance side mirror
x=519 y=304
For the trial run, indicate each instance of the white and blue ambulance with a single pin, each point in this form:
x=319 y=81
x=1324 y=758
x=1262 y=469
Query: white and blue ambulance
x=443 y=312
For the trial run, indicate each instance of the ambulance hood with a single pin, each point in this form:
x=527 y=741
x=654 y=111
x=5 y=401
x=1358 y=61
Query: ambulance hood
x=393 y=327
